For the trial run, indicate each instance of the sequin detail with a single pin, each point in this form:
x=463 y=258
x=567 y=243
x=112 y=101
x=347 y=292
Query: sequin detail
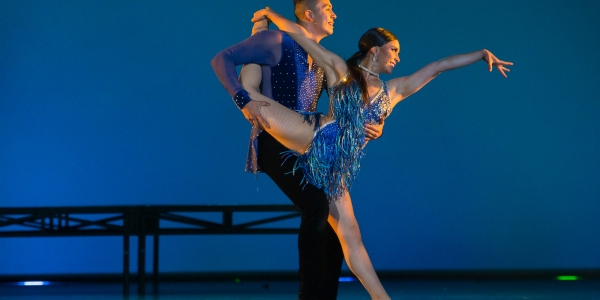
x=310 y=81
x=380 y=107
x=332 y=162
x=284 y=77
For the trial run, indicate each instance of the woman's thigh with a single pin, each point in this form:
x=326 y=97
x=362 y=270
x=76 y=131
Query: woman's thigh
x=287 y=126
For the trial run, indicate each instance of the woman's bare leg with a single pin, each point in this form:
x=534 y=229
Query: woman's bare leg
x=343 y=221
x=285 y=125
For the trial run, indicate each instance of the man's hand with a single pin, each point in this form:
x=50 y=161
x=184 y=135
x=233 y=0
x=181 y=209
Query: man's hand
x=251 y=112
x=373 y=131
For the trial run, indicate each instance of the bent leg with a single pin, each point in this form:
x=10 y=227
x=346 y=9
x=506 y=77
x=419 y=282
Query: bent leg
x=343 y=221
x=285 y=125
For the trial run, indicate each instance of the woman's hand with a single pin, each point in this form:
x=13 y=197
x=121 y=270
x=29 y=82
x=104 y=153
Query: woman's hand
x=492 y=60
x=262 y=14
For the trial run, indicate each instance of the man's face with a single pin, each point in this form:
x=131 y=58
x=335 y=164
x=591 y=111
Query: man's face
x=323 y=17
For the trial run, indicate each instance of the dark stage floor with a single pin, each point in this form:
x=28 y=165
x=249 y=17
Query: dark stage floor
x=269 y=289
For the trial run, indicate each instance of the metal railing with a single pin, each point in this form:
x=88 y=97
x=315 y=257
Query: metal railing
x=142 y=221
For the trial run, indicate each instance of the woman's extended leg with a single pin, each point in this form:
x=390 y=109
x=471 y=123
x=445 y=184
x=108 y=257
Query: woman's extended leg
x=343 y=221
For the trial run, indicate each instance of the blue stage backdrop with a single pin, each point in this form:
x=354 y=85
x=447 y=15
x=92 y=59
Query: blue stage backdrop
x=115 y=103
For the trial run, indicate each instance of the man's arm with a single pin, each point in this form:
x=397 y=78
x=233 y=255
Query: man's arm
x=373 y=131
x=251 y=78
x=263 y=48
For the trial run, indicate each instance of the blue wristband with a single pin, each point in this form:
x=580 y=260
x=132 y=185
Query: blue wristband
x=241 y=99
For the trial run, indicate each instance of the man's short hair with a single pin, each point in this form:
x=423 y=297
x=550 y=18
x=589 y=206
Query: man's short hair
x=300 y=6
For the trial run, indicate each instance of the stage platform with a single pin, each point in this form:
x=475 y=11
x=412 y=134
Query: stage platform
x=534 y=289
x=140 y=221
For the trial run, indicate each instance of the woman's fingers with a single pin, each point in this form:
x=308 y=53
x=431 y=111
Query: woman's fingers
x=500 y=64
x=258 y=15
x=502 y=70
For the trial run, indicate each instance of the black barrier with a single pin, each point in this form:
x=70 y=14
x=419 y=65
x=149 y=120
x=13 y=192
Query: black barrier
x=141 y=221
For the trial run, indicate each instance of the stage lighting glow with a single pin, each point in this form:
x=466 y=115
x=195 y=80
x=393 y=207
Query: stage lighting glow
x=347 y=279
x=33 y=283
x=567 y=277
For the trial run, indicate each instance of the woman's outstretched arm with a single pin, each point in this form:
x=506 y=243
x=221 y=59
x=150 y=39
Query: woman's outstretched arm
x=402 y=87
x=279 y=21
x=334 y=66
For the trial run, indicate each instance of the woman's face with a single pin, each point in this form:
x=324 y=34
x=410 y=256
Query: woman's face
x=388 y=57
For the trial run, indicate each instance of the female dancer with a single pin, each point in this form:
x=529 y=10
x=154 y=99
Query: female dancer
x=330 y=146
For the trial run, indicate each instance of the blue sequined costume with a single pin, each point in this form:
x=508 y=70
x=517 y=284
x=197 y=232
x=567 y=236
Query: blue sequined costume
x=333 y=160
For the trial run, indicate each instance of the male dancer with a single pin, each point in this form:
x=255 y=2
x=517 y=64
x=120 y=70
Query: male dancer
x=290 y=78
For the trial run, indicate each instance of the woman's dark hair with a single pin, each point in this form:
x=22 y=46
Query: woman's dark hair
x=374 y=37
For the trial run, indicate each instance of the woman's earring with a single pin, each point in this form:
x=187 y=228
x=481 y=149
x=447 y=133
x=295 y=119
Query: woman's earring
x=374 y=58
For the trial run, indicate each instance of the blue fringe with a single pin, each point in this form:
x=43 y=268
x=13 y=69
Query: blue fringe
x=333 y=164
x=311 y=118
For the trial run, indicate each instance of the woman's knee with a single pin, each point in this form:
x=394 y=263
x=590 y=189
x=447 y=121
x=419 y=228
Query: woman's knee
x=350 y=234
